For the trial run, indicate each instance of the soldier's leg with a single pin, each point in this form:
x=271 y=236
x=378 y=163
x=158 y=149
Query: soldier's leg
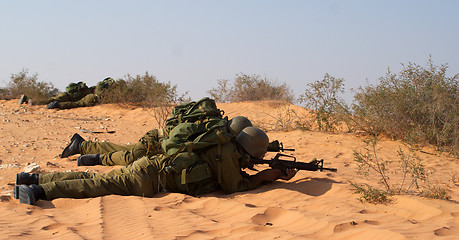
x=67 y=105
x=124 y=158
x=61 y=97
x=140 y=178
x=149 y=145
x=88 y=101
x=61 y=176
x=89 y=147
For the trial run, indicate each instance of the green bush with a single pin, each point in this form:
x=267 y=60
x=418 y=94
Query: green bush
x=250 y=88
x=21 y=83
x=144 y=90
x=322 y=98
x=370 y=194
x=417 y=105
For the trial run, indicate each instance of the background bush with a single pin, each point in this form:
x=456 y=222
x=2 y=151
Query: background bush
x=21 y=83
x=420 y=104
x=322 y=97
x=145 y=90
x=250 y=88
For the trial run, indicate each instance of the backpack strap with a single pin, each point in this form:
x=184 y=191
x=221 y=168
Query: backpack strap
x=221 y=141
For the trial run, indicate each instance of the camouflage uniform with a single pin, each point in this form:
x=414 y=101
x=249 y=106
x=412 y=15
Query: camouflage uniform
x=145 y=177
x=140 y=178
x=79 y=95
x=87 y=101
x=114 y=154
x=73 y=93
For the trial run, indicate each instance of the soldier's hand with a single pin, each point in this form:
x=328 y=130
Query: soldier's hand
x=273 y=174
x=288 y=174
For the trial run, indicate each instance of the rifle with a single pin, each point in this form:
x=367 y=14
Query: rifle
x=276 y=162
x=276 y=146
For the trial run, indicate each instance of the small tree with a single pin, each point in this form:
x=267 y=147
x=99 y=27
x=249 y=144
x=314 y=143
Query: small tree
x=322 y=97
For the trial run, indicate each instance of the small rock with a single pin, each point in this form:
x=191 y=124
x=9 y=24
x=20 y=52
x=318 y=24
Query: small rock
x=8 y=166
x=31 y=168
x=50 y=164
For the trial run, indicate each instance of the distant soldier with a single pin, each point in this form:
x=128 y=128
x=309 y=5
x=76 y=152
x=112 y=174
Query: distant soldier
x=75 y=95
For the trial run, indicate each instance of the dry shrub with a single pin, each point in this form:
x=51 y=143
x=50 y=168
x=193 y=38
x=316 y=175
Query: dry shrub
x=250 y=88
x=22 y=83
x=410 y=177
x=420 y=105
x=323 y=98
x=143 y=90
x=284 y=119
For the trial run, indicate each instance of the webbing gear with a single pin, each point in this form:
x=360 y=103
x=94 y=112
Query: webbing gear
x=193 y=112
x=184 y=143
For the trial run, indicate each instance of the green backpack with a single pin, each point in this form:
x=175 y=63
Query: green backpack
x=195 y=112
x=183 y=146
x=77 y=90
x=104 y=84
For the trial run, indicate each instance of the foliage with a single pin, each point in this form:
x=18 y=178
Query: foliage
x=22 y=83
x=413 y=178
x=250 y=88
x=417 y=105
x=144 y=90
x=322 y=97
x=369 y=161
x=285 y=119
x=436 y=192
x=370 y=194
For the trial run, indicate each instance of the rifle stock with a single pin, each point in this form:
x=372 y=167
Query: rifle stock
x=314 y=165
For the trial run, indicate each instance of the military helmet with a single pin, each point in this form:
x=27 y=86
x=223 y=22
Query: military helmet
x=238 y=123
x=254 y=141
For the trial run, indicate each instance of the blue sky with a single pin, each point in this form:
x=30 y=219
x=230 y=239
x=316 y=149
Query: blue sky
x=193 y=44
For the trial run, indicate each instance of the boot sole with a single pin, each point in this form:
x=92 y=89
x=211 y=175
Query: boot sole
x=16 y=192
x=26 y=195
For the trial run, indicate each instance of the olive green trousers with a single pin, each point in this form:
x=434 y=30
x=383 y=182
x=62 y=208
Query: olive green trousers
x=142 y=178
x=87 y=101
x=112 y=154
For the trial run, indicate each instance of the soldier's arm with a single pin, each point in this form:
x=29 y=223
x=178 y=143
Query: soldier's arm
x=269 y=175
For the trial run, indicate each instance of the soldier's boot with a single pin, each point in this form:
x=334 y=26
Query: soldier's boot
x=23 y=99
x=30 y=194
x=53 y=105
x=74 y=146
x=89 y=160
x=24 y=178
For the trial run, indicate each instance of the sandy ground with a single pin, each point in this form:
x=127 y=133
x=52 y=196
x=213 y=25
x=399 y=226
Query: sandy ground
x=312 y=205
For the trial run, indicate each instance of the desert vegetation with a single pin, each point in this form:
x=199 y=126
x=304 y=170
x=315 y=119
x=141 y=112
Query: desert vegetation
x=247 y=87
x=407 y=175
x=419 y=105
x=141 y=89
x=24 y=83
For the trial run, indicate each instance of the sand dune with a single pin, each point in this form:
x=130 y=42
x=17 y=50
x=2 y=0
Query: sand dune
x=312 y=205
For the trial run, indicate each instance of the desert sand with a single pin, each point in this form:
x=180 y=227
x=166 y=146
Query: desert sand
x=312 y=205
